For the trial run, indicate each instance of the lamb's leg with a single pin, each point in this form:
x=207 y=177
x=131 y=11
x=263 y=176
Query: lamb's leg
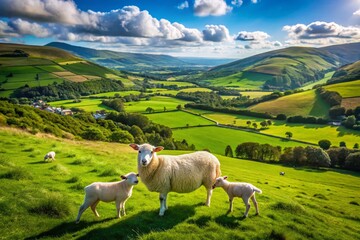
x=163 y=197
x=209 y=193
x=82 y=208
x=247 y=205
x=93 y=208
x=122 y=206
x=253 y=199
x=118 y=208
x=231 y=199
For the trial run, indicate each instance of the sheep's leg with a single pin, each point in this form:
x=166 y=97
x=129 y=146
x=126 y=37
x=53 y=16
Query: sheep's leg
x=253 y=199
x=93 y=208
x=82 y=208
x=163 y=197
x=118 y=208
x=247 y=205
x=122 y=206
x=231 y=199
x=209 y=194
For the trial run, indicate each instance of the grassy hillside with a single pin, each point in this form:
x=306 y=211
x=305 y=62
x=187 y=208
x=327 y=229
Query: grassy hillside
x=52 y=192
x=178 y=119
x=346 y=89
x=306 y=103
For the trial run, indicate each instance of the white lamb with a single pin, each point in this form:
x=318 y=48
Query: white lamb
x=182 y=174
x=239 y=189
x=50 y=155
x=109 y=192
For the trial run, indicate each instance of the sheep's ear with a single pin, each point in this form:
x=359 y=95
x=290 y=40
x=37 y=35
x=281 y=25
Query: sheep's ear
x=123 y=177
x=137 y=174
x=225 y=177
x=134 y=146
x=158 y=149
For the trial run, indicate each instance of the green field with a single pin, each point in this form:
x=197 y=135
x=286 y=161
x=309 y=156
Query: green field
x=89 y=105
x=311 y=133
x=242 y=80
x=321 y=81
x=216 y=139
x=111 y=94
x=346 y=89
x=306 y=103
x=303 y=204
x=177 y=83
x=254 y=94
x=157 y=103
x=178 y=119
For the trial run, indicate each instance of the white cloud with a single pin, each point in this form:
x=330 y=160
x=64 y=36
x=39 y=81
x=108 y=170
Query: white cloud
x=216 y=33
x=205 y=8
x=183 y=5
x=23 y=27
x=357 y=13
x=237 y=3
x=319 y=29
x=254 y=1
x=252 y=36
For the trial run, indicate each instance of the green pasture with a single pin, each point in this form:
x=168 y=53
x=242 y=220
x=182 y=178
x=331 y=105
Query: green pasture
x=112 y=94
x=311 y=133
x=177 y=83
x=40 y=200
x=216 y=138
x=321 y=81
x=178 y=119
x=10 y=61
x=346 y=89
x=157 y=103
x=87 y=104
x=254 y=94
x=306 y=103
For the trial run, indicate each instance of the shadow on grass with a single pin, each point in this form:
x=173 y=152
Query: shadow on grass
x=38 y=162
x=129 y=227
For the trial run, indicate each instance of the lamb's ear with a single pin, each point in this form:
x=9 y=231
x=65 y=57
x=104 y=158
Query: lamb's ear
x=225 y=177
x=123 y=177
x=134 y=146
x=158 y=149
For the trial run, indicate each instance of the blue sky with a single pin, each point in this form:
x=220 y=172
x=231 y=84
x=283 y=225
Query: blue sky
x=200 y=28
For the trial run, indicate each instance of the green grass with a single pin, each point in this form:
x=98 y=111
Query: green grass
x=177 y=83
x=48 y=203
x=157 y=103
x=178 y=119
x=90 y=105
x=311 y=133
x=321 y=81
x=242 y=80
x=254 y=94
x=306 y=103
x=111 y=94
x=346 y=89
x=216 y=139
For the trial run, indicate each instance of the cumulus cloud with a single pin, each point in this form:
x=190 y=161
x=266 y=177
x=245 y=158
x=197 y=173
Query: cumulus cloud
x=237 y=3
x=319 y=29
x=216 y=33
x=183 y=5
x=252 y=36
x=204 y=8
x=357 y=13
x=254 y=1
x=23 y=27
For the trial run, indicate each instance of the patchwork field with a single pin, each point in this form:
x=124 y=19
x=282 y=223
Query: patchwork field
x=321 y=81
x=306 y=103
x=89 y=105
x=157 y=103
x=112 y=94
x=346 y=89
x=242 y=80
x=51 y=194
x=178 y=119
x=177 y=83
x=254 y=94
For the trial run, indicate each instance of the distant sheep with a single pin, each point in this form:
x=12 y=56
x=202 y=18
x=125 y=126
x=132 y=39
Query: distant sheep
x=239 y=189
x=282 y=173
x=50 y=155
x=184 y=173
x=109 y=192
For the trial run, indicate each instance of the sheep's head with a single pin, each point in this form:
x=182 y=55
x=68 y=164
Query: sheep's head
x=131 y=178
x=219 y=182
x=146 y=153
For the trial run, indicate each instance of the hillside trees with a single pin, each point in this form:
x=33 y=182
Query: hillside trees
x=324 y=144
x=256 y=151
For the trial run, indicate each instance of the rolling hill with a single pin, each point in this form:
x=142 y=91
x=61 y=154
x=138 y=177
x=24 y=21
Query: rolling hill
x=122 y=60
x=285 y=68
x=346 y=73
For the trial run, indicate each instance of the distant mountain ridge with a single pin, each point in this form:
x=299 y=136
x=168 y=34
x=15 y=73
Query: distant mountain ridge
x=122 y=60
x=290 y=67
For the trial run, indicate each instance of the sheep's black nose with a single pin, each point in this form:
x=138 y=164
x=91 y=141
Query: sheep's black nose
x=136 y=181
x=143 y=161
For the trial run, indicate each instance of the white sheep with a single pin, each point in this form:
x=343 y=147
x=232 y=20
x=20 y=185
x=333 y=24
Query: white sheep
x=239 y=189
x=282 y=173
x=50 y=155
x=109 y=192
x=184 y=173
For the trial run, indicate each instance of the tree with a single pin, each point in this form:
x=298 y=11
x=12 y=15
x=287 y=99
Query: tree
x=289 y=135
x=349 y=121
x=179 y=107
x=255 y=125
x=317 y=157
x=356 y=146
x=248 y=123
x=93 y=134
x=149 y=110
x=229 y=151
x=352 y=162
x=299 y=156
x=269 y=122
x=324 y=144
x=342 y=144
x=121 y=136
x=264 y=124
x=281 y=116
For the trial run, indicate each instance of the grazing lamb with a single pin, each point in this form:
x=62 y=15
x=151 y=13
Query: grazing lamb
x=184 y=173
x=282 y=173
x=109 y=192
x=239 y=189
x=50 y=155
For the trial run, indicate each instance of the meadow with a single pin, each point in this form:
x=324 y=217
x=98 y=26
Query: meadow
x=321 y=81
x=40 y=200
x=306 y=103
x=346 y=89
x=87 y=104
x=178 y=119
x=241 y=80
x=157 y=103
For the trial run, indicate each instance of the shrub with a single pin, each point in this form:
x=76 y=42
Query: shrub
x=324 y=144
x=51 y=204
x=317 y=157
x=352 y=161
